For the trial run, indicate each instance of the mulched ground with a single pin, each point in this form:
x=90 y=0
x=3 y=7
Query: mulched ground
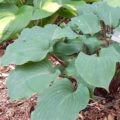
x=16 y=110
x=99 y=109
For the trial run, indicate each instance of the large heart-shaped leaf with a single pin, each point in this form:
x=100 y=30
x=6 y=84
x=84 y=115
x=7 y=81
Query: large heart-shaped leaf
x=13 y=20
x=32 y=47
x=86 y=23
x=61 y=102
x=29 y=79
x=96 y=71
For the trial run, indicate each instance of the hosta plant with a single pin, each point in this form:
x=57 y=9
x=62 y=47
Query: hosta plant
x=64 y=64
x=18 y=14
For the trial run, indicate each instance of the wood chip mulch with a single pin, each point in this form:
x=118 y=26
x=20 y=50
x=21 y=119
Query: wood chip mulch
x=16 y=110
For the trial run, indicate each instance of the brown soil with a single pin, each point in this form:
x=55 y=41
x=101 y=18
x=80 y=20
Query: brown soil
x=16 y=110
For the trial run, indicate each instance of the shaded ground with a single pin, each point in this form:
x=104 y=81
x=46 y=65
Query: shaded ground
x=100 y=109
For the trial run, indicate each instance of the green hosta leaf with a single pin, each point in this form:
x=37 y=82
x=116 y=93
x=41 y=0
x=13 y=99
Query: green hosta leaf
x=54 y=32
x=72 y=71
x=86 y=23
x=45 y=8
x=71 y=5
x=8 y=1
x=117 y=29
x=32 y=45
x=69 y=48
x=1 y=1
x=113 y=3
x=116 y=46
x=111 y=52
x=96 y=71
x=61 y=102
x=92 y=44
x=29 y=79
x=13 y=20
x=69 y=8
x=69 y=33
x=108 y=14
x=84 y=8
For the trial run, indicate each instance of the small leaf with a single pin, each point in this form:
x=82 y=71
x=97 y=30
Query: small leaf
x=69 y=48
x=30 y=78
x=86 y=23
x=61 y=102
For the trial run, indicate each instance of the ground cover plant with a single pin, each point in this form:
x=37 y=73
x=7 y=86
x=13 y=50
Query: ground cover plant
x=18 y=14
x=64 y=64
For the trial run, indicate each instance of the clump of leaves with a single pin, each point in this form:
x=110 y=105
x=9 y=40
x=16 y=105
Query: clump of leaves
x=81 y=61
x=18 y=14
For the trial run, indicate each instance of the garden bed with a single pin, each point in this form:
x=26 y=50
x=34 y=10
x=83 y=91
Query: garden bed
x=101 y=108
